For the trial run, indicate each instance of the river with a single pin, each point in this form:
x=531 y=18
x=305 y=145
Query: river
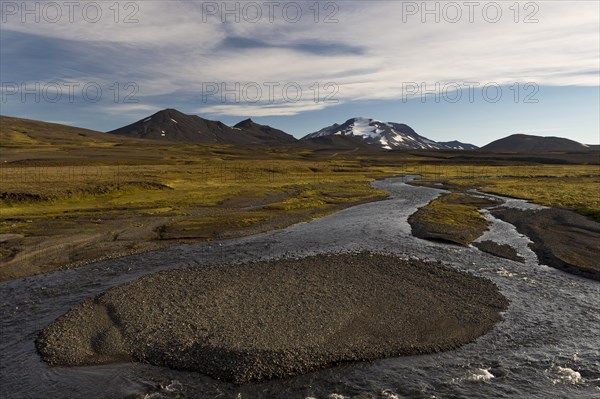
x=546 y=346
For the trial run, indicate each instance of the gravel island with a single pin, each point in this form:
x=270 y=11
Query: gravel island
x=279 y=318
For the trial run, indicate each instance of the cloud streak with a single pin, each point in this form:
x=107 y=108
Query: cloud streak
x=369 y=53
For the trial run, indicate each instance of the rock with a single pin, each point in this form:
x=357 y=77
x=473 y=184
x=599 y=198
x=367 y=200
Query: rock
x=500 y=250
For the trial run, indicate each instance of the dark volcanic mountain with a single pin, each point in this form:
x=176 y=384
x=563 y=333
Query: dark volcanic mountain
x=172 y=125
x=382 y=135
x=264 y=133
x=527 y=143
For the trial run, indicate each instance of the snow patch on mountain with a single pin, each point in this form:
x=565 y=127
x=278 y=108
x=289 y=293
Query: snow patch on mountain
x=385 y=135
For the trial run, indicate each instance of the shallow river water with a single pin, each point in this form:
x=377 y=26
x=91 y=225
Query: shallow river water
x=547 y=346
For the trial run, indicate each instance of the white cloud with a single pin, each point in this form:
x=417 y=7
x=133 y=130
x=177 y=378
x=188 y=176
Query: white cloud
x=152 y=23
x=283 y=109
x=128 y=108
x=142 y=109
x=173 y=51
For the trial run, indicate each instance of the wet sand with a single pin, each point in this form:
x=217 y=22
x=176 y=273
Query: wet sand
x=277 y=318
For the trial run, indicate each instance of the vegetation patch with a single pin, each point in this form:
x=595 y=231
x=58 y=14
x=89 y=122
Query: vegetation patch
x=116 y=210
x=574 y=187
x=581 y=194
x=451 y=217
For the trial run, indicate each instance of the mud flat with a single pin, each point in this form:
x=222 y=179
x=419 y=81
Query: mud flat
x=561 y=238
x=274 y=319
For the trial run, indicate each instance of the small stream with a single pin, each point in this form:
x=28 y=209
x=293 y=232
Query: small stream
x=547 y=345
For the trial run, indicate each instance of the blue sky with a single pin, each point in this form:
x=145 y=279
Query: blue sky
x=374 y=59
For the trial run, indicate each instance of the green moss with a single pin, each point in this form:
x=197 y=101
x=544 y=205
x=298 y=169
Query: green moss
x=575 y=187
x=448 y=210
x=449 y=218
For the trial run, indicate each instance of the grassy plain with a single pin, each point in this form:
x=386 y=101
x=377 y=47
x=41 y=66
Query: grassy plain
x=70 y=196
x=575 y=187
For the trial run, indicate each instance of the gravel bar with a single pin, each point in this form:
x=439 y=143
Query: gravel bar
x=278 y=318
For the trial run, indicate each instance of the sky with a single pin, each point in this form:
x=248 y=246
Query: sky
x=470 y=71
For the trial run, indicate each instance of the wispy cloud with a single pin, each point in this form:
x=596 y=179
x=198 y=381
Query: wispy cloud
x=368 y=53
x=283 y=109
x=130 y=108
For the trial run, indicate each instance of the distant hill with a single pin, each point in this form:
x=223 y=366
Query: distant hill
x=528 y=143
x=20 y=131
x=172 y=125
x=372 y=133
x=264 y=133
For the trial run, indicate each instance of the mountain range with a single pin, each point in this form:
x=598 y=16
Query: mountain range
x=172 y=125
x=355 y=134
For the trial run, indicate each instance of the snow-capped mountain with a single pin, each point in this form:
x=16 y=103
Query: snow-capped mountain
x=385 y=135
